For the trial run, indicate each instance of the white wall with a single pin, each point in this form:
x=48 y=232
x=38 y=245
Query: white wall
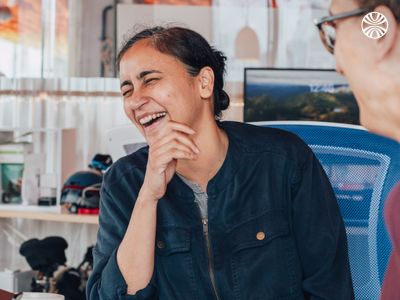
x=130 y=16
x=84 y=38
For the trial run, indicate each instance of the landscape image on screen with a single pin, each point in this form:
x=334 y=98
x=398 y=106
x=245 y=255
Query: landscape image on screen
x=316 y=100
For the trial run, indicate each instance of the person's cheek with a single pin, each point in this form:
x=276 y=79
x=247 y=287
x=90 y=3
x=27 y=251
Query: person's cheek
x=339 y=67
x=128 y=111
x=342 y=54
x=338 y=54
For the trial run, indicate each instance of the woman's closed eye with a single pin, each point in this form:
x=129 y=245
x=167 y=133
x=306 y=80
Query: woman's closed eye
x=151 y=80
x=126 y=92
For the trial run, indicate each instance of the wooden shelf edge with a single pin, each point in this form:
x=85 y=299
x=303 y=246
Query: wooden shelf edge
x=50 y=216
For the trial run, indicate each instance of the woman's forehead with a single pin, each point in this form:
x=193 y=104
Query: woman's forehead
x=143 y=57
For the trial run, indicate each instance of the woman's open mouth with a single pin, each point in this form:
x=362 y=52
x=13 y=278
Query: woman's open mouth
x=151 y=119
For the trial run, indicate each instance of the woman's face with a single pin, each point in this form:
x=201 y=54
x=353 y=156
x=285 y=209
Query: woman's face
x=156 y=88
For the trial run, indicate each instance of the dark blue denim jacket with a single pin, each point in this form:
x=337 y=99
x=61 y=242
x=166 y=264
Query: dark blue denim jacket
x=274 y=228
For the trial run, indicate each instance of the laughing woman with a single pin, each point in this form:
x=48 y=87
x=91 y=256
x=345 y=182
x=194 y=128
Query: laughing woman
x=210 y=209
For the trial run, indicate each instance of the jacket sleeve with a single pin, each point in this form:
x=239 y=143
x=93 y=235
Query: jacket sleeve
x=106 y=281
x=320 y=234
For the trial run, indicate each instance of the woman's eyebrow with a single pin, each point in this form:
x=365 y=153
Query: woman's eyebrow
x=145 y=73
x=139 y=77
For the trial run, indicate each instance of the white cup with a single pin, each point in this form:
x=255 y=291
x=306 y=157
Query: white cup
x=41 y=296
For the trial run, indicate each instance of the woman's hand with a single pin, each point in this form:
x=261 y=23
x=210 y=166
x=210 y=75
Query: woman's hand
x=169 y=144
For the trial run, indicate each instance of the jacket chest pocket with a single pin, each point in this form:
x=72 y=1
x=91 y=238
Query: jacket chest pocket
x=172 y=240
x=263 y=260
x=259 y=231
x=174 y=264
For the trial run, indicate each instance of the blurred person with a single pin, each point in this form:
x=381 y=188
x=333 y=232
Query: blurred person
x=372 y=67
x=210 y=209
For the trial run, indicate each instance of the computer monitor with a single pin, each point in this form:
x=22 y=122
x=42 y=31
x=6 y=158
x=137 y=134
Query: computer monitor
x=298 y=95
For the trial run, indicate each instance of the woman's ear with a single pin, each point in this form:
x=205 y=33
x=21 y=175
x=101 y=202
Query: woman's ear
x=206 y=82
x=385 y=44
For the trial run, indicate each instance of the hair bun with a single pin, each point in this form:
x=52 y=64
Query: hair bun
x=224 y=100
x=221 y=58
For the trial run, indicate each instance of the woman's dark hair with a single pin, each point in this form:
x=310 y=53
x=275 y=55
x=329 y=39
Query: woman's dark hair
x=192 y=50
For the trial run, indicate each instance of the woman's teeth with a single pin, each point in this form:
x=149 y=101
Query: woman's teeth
x=150 y=118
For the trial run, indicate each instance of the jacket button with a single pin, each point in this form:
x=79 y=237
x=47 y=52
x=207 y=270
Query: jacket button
x=160 y=245
x=260 y=235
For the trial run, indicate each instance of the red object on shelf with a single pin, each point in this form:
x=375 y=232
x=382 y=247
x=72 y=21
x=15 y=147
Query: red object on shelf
x=88 y=211
x=5 y=295
x=272 y=4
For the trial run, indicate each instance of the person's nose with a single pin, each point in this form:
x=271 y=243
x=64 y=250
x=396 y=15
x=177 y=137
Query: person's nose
x=137 y=100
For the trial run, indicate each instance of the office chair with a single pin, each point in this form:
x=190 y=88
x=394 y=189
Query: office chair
x=362 y=168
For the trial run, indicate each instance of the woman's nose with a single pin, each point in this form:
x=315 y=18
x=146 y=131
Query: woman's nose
x=137 y=100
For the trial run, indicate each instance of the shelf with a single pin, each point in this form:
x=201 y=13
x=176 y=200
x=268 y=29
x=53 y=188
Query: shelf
x=44 y=214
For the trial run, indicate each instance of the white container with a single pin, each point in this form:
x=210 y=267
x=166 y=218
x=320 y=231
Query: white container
x=41 y=296
x=16 y=280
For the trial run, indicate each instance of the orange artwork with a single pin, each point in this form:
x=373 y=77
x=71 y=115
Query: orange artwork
x=180 y=2
x=9 y=29
x=62 y=28
x=25 y=25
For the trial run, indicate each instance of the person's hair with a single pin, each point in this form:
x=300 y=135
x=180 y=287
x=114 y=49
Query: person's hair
x=192 y=50
x=394 y=5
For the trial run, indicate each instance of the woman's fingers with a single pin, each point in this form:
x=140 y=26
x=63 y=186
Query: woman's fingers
x=169 y=144
x=180 y=127
x=172 y=150
x=175 y=153
x=168 y=128
x=173 y=144
x=177 y=136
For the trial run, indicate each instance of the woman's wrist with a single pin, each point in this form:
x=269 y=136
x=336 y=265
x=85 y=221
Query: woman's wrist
x=145 y=196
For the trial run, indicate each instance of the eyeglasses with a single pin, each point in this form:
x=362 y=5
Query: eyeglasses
x=327 y=27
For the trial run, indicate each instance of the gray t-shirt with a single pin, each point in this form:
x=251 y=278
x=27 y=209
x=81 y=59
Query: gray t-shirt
x=200 y=196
